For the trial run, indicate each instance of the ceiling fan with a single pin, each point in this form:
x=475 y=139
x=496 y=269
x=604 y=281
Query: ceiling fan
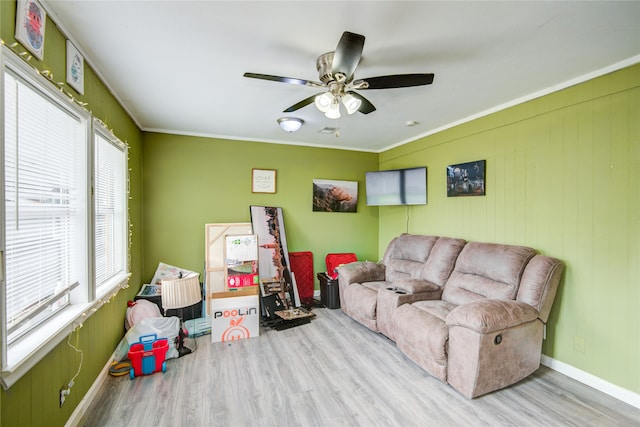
x=336 y=72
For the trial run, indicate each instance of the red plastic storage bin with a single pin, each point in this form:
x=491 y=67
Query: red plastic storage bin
x=302 y=268
x=148 y=355
x=336 y=260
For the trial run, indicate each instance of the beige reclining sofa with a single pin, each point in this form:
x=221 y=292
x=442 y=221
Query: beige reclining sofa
x=471 y=314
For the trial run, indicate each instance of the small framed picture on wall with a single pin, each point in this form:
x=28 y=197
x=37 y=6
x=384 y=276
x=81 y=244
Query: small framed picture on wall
x=466 y=179
x=263 y=181
x=30 y=24
x=335 y=196
x=75 y=68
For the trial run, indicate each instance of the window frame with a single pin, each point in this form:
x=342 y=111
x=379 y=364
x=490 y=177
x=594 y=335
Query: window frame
x=100 y=289
x=20 y=356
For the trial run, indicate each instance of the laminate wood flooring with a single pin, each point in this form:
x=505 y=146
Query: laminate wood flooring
x=334 y=372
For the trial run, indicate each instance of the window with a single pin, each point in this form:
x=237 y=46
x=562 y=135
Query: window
x=110 y=161
x=45 y=197
x=63 y=245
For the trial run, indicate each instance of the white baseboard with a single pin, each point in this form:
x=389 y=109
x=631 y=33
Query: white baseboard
x=627 y=396
x=92 y=393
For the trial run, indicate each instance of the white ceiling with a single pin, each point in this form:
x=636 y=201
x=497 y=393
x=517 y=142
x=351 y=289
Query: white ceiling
x=177 y=66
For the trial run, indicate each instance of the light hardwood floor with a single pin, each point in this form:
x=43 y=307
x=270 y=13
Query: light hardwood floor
x=334 y=372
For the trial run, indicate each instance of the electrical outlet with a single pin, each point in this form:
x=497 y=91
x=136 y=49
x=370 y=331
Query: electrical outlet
x=64 y=392
x=578 y=344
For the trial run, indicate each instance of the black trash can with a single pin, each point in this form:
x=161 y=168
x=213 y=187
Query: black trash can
x=329 y=292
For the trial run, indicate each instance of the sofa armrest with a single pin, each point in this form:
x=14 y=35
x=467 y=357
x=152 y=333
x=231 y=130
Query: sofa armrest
x=489 y=315
x=415 y=286
x=360 y=272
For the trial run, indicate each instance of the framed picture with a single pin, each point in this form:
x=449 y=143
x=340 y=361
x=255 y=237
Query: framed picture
x=335 y=196
x=263 y=181
x=150 y=290
x=75 y=68
x=273 y=255
x=30 y=22
x=466 y=179
x=241 y=260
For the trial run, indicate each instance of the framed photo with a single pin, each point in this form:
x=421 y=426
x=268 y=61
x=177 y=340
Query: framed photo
x=466 y=179
x=241 y=259
x=273 y=255
x=335 y=196
x=263 y=181
x=30 y=23
x=75 y=68
x=150 y=290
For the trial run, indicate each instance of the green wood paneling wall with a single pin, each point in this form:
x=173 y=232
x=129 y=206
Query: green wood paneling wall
x=33 y=400
x=561 y=178
x=192 y=181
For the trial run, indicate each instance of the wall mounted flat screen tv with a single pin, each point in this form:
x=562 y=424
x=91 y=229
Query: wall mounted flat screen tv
x=396 y=187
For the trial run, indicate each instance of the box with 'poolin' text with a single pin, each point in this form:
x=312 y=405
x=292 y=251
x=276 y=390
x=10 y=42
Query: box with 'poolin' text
x=235 y=315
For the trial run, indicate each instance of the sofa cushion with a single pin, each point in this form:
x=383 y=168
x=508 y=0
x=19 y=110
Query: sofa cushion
x=405 y=256
x=491 y=315
x=414 y=286
x=358 y=272
x=436 y=308
x=442 y=260
x=375 y=286
x=360 y=302
x=539 y=284
x=487 y=270
x=421 y=334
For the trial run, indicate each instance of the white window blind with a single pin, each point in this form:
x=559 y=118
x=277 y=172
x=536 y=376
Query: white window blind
x=64 y=233
x=110 y=207
x=45 y=205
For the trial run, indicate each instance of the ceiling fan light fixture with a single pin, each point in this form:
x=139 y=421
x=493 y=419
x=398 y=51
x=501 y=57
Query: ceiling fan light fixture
x=351 y=103
x=323 y=101
x=334 y=110
x=290 y=124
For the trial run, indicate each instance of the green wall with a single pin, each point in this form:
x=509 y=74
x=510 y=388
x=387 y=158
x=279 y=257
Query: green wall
x=191 y=181
x=561 y=178
x=33 y=400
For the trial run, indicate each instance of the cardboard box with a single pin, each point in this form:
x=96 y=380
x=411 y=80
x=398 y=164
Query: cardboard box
x=235 y=315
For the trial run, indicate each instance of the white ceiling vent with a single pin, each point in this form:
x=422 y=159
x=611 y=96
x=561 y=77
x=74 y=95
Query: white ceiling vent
x=328 y=130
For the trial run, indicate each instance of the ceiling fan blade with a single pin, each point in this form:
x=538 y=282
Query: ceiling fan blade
x=347 y=55
x=302 y=103
x=366 y=107
x=398 y=80
x=283 y=79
